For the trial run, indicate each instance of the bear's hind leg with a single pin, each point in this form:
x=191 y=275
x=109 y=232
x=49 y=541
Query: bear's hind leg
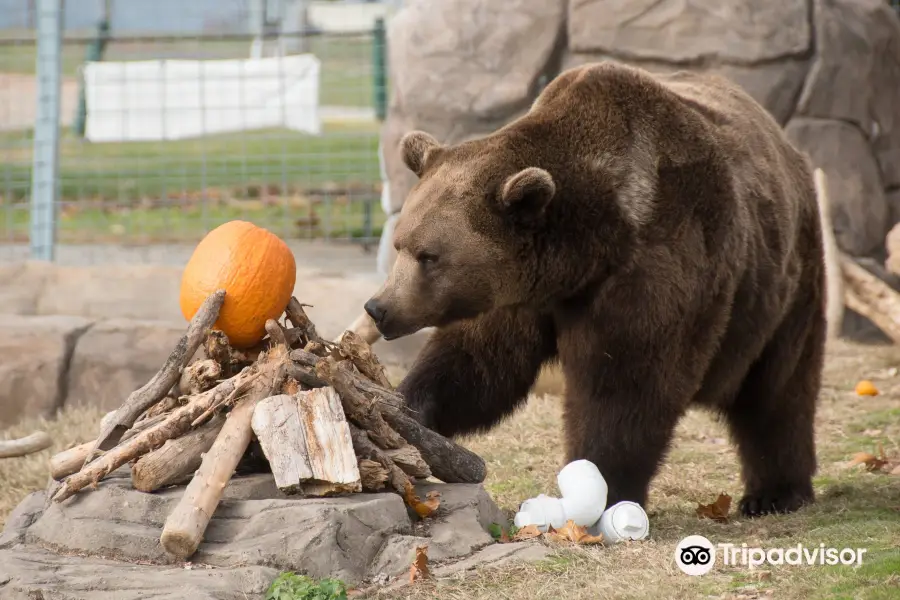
x=772 y=418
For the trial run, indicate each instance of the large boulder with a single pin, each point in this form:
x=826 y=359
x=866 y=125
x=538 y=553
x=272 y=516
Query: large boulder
x=113 y=534
x=859 y=211
x=465 y=67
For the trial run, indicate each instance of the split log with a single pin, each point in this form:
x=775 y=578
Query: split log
x=257 y=381
x=176 y=460
x=372 y=475
x=37 y=441
x=160 y=384
x=359 y=409
x=186 y=524
x=449 y=462
x=872 y=298
x=307 y=442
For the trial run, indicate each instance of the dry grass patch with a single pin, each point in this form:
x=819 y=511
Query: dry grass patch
x=21 y=476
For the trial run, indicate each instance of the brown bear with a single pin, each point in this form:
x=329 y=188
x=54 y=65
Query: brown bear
x=656 y=235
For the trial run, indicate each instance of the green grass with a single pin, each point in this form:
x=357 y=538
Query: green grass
x=156 y=191
x=346 y=75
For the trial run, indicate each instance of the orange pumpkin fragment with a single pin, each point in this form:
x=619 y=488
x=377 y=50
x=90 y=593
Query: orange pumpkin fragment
x=255 y=268
x=866 y=388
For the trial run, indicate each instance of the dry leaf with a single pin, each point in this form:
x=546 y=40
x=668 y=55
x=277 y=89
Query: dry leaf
x=423 y=509
x=570 y=532
x=717 y=511
x=527 y=533
x=419 y=568
x=873 y=463
x=895 y=470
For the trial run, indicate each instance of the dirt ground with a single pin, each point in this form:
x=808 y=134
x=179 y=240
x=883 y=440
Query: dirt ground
x=855 y=508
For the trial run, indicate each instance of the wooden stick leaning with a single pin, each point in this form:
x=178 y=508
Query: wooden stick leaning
x=160 y=384
x=183 y=531
x=177 y=459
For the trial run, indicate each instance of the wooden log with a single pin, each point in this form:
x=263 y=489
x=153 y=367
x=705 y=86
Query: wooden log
x=72 y=460
x=35 y=442
x=365 y=328
x=359 y=409
x=872 y=298
x=199 y=376
x=175 y=461
x=410 y=460
x=364 y=448
x=372 y=475
x=360 y=354
x=183 y=530
x=306 y=440
x=834 y=311
x=257 y=381
x=160 y=384
x=448 y=461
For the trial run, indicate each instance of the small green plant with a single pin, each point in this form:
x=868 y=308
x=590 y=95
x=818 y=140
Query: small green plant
x=290 y=586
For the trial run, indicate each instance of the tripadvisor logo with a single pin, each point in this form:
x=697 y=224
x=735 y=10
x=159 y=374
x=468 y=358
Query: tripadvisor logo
x=696 y=555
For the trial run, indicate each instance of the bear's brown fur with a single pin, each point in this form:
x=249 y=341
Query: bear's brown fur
x=659 y=237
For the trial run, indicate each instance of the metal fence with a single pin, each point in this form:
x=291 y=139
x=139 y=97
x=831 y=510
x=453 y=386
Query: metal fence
x=101 y=144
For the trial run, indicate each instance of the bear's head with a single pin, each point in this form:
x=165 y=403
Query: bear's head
x=460 y=232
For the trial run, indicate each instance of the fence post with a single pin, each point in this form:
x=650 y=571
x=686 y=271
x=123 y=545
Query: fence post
x=94 y=54
x=379 y=53
x=45 y=165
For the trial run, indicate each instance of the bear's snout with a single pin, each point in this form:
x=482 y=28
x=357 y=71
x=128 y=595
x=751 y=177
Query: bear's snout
x=375 y=310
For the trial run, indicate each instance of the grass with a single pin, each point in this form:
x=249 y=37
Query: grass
x=346 y=72
x=854 y=508
x=176 y=191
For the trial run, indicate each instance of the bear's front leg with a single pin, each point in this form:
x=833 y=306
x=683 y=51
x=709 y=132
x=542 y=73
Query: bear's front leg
x=472 y=374
x=622 y=419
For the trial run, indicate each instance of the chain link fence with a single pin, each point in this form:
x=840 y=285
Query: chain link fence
x=143 y=125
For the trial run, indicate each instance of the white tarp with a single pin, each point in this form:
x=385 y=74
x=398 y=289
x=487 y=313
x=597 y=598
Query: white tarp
x=177 y=99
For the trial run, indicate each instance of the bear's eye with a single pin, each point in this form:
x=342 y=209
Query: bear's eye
x=426 y=258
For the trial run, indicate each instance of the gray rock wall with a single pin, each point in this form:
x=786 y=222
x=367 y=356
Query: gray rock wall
x=827 y=70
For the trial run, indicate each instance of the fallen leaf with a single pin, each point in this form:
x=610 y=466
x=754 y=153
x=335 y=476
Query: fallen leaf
x=866 y=388
x=873 y=463
x=419 y=568
x=527 y=533
x=872 y=432
x=570 y=532
x=423 y=509
x=717 y=511
x=895 y=470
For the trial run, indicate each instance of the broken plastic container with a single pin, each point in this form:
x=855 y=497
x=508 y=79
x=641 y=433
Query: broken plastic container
x=583 y=499
x=623 y=521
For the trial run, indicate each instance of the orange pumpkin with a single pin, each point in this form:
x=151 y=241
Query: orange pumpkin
x=254 y=267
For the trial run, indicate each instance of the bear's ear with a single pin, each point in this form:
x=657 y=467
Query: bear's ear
x=528 y=191
x=415 y=146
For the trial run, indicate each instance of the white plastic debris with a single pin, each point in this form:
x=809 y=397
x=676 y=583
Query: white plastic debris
x=583 y=499
x=623 y=521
